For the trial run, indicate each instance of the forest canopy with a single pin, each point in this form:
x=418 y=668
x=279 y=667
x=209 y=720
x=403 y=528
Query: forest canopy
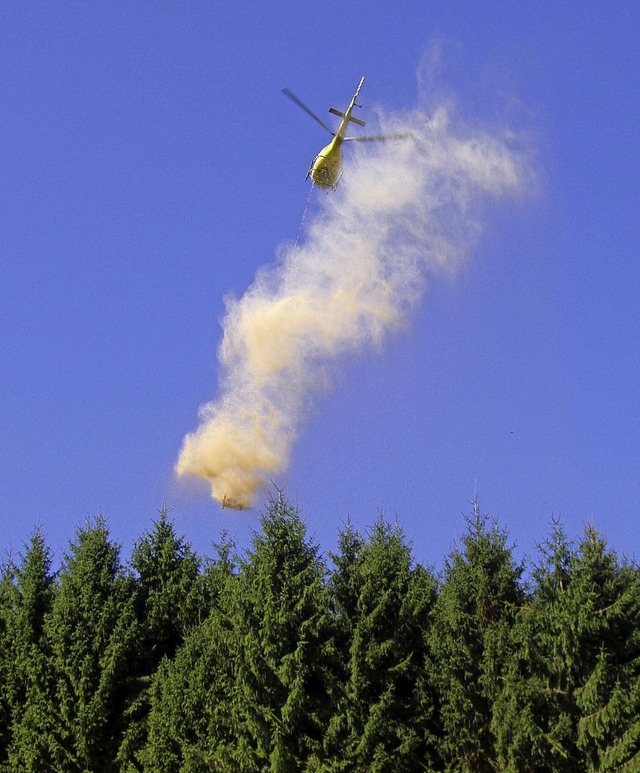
x=284 y=659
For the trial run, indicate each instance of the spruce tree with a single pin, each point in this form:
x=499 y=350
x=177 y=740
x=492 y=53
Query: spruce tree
x=384 y=716
x=535 y=716
x=28 y=654
x=469 y=641
x=92 y=633
x=169 y=596
x=7 y=574
x=605 y=598
x=283 y=640
x=344 y=586
x=190 y=724
x=571 y=700
x=169 y=592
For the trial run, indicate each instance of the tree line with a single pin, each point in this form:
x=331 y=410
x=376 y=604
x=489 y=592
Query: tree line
x=283 y=659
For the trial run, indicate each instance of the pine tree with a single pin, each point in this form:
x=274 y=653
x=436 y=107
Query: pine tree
x=469 y=641
x=92 y=633
x=384 y=718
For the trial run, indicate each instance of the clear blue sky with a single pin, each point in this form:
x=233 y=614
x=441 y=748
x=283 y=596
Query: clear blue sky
x=150 y=166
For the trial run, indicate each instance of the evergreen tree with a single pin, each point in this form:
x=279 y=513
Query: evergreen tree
x=169 y=592
x=605 y=599
x=27 y=652
x=271 y=663
x=92 y=633
x=190 y=723
x=384 y=718
x=344 y=590
x=169 y=602
x=571 y=701
x=535 y=716
x=7 y=575
x=283 y=640
x=344 y=587
x=469 y=641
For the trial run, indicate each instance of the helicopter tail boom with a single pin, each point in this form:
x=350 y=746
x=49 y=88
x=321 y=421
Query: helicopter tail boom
x=359 y=121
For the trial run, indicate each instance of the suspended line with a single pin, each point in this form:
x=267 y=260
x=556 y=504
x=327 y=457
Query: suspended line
x=304 y=215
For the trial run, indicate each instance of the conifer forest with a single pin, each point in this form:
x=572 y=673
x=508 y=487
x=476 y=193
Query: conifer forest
x=284 y=659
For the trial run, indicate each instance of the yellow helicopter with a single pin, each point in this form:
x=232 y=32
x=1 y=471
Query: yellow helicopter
x=325 y=168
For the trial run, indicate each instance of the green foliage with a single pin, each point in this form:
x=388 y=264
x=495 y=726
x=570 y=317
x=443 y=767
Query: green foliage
x=190 y=723
x=169 y=601
x=8 y=673
x=28 y=683
x=605 y=597
x=273 y=661
x=384 y=713
x=477 y=601
x=92 y=632
x=283 y=635
x=169 y=589
x=571 y=700
x=535 y=715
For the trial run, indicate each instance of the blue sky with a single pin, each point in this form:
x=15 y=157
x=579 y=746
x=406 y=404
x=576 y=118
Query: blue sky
x=151 y=166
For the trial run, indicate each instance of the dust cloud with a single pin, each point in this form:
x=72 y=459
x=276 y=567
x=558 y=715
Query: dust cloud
x=404 y=212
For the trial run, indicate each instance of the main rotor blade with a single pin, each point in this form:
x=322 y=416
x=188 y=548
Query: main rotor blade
x=306 y=109
x=378 y=138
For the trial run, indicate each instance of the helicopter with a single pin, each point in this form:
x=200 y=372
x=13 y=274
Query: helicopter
x=325 y=169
